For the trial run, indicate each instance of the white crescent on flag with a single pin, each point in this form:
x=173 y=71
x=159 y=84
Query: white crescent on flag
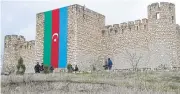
x=55 y=34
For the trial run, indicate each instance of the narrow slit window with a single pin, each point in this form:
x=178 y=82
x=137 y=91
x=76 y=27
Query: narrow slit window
x=157 y=15
x=103 y=32
x=144 y=26
x=122 y=31
x=172 y=19
x=137 y=28
x=115 y=31
x=5 y=45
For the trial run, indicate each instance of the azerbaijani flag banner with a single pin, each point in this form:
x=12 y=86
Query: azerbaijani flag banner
x=55 y=38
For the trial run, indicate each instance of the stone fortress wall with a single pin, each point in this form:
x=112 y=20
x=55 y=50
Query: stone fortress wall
x=156 y=39
x=84 y=43
x=16 y=47
x=87 y=33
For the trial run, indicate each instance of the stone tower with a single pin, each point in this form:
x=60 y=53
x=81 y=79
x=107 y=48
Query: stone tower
x=156 y=39
x=10 y=52
x=84 y=35
x=15 y=47
x=162 y=27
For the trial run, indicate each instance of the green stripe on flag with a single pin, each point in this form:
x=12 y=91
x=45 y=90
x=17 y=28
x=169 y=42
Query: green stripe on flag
x=47 y=38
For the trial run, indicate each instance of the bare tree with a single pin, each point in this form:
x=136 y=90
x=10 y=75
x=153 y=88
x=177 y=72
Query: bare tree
x=134 y=59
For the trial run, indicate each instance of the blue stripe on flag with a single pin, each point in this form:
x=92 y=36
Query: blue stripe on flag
x=63 y=37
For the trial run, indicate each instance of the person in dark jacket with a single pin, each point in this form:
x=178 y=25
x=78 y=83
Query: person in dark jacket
x=37 y=68
x=109 y=64
x=105 y=65
x=51 y=69
x=76 y=68
x=42 y=67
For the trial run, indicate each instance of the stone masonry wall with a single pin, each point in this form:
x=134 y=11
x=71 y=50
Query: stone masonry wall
x=84 y=29
x=89 y=26
x=178 y=36
x=156 y=39
x=39 y=37
x=164 y=35
x=124 y=38
x=16 y=47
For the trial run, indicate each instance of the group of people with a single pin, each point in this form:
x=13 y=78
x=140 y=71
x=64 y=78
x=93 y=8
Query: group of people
x=40 y=68
x=71 y=68
x=108 y=64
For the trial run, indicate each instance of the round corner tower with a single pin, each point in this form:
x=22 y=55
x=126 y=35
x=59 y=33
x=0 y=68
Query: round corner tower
x=162 y=26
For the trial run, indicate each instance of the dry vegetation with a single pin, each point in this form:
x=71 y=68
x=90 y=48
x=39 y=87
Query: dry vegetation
x=159 y=81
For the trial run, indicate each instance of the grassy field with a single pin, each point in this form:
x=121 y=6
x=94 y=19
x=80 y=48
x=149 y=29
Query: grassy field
x=157 y=81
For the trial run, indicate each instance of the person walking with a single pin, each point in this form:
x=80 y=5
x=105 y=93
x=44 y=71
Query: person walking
x=109 y=64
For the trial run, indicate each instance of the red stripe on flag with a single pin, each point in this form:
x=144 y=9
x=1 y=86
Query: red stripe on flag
x=55 y=38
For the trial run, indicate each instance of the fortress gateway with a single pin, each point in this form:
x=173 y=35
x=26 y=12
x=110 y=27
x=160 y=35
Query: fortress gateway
x=149 y=42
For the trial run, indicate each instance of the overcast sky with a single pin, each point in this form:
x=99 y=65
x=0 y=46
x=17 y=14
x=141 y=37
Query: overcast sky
x=19 y=16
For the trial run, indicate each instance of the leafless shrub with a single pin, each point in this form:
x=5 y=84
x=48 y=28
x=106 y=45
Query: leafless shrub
x=134 y=59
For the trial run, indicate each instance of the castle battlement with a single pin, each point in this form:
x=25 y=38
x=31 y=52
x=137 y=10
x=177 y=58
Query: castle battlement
x=144 y=21
x=155 y=37
x=18 y=42
x=137 y=25
x=84 y=10
x=28 y=45
x=161 y=6
x=14 y=37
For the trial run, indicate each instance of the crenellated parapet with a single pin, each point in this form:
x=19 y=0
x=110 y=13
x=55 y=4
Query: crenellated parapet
x=85 y=11
x=13 y=40
x=31 y=44
x=163 y=12
x=18 y=42
x=161 y=6
x=137 y=25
